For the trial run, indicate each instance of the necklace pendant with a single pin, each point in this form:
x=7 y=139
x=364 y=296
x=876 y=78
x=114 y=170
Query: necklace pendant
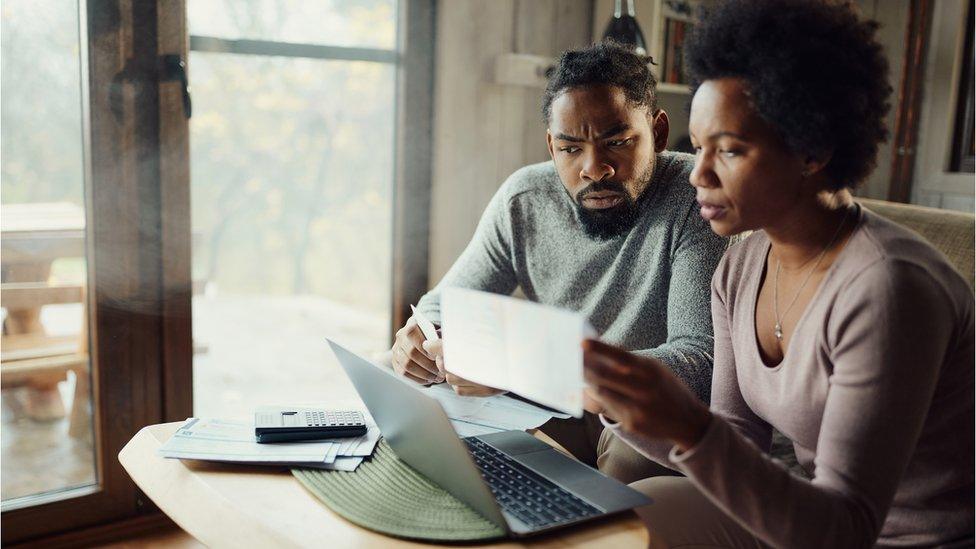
x=778 y=332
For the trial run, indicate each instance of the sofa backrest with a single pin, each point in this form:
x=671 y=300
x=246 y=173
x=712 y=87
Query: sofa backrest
x=952 y=233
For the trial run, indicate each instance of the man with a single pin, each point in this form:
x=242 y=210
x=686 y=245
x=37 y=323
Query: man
x=609 y=228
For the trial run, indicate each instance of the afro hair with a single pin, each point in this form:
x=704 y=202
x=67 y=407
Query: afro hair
x=813 y=71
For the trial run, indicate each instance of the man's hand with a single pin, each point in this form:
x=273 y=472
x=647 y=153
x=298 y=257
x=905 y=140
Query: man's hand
x=642 y=395
x=460 y=385
x=410 y=360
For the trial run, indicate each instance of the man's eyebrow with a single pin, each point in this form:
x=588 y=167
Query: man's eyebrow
x=564 y=137
x=619 y=128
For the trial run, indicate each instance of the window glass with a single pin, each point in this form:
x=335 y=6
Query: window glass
x=45 y=369
x=349 y=23
x=291 y=178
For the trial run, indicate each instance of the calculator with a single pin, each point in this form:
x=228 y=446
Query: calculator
x=298 y=424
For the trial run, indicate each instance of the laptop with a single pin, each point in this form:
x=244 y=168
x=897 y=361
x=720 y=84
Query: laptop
x=511 y=478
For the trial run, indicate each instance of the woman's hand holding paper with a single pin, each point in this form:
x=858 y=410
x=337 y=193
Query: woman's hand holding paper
x=642 y=395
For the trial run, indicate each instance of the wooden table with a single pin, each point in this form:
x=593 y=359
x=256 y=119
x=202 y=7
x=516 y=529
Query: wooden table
x=223 y=505
x=32 y=237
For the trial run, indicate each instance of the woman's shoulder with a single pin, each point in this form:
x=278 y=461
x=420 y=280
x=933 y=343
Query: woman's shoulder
x=888 y=267
x=745 y=256
x=891 y=250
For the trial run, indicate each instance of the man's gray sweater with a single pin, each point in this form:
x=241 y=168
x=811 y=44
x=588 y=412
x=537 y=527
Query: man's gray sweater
x=647 y=290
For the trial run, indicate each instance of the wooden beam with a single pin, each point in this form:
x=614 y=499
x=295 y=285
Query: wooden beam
x=175 y=225
x=31 y=295
x=910 y=101
x=21 y=371
x=35 y=345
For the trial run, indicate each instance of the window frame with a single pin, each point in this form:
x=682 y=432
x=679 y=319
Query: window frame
x=414 y=156
x=136 y=140
x=138 y=264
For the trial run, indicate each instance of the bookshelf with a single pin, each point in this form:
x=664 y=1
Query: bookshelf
x=655 y=18
x=670 y=25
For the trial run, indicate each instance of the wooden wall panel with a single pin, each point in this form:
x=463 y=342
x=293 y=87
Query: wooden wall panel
x=485 y=131
x=546 y=27
x=467 y=120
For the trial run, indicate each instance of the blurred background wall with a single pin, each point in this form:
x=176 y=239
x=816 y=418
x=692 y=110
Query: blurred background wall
x=484 y=130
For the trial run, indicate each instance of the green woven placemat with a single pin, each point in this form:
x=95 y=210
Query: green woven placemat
x=386 y=495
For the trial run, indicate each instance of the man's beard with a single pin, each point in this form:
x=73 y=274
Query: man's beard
x=612 y=222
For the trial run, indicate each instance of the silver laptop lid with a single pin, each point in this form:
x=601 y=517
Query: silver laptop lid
x=420 y=432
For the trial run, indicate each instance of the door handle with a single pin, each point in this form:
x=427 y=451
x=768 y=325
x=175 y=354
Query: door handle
x=174 y=68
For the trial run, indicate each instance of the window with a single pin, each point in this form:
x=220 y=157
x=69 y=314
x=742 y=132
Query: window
x=292 y=177
x=92 y=171
x=306 y=193
x=310 y=202
x=47 y=431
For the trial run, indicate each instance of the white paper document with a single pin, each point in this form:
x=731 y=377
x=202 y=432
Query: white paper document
x=472 y=416
x=517 y=345
x=229 y=440
x=340 y=464
x=362 y=446
x=233 y=441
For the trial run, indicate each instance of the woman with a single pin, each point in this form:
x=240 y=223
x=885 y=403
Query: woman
x=842 y=330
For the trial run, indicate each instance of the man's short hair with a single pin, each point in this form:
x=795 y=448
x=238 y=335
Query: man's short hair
x=605 y=63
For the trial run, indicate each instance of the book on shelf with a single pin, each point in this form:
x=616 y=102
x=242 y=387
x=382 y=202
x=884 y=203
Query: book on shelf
x=672 y=70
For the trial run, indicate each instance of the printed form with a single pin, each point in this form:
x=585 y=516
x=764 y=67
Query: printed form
x=516 y=345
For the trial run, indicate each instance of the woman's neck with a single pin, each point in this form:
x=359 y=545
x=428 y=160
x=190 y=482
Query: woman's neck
x=805 y=231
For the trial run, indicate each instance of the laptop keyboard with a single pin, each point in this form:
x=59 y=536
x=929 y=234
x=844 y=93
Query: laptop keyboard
x=535 y=500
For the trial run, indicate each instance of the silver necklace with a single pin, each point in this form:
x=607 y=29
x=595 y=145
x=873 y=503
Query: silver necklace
x=778 y=329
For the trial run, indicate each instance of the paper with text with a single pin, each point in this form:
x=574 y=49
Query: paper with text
x=482 y=415
x=231 y=440
x=517 y=345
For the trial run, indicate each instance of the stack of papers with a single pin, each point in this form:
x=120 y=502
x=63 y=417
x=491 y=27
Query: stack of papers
x=473 y=416
x=233 y=441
